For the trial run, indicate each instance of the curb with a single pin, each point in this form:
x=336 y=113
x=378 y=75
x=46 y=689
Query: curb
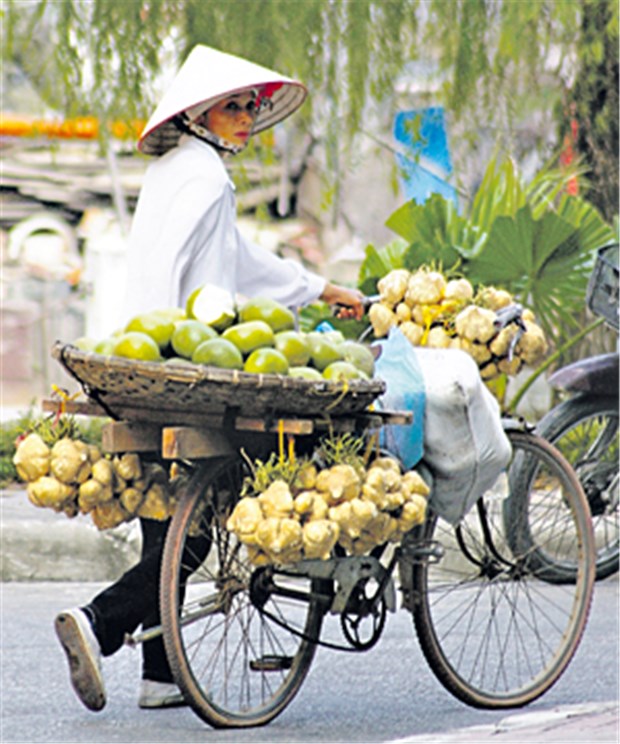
x=40 y=545
x=590 y=722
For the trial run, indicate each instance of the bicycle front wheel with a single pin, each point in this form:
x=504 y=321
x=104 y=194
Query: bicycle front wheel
x=238 y=652
x=494 y=631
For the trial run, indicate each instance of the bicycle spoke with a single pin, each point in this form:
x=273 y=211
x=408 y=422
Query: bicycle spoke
x=236 y=665
x=494 y=630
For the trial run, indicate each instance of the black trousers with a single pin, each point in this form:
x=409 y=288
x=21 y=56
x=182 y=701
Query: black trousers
x=134 y=600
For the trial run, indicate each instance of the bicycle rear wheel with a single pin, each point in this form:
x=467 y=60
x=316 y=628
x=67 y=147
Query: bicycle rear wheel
x=494 y=631
x=238 y=652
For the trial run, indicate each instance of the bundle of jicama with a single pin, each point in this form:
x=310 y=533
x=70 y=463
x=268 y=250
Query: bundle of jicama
x=346 y=504
x=126 y=488
x=32 y=458
x=432 y=311
x=73 y=477
x=54 y=474
x=389 y=505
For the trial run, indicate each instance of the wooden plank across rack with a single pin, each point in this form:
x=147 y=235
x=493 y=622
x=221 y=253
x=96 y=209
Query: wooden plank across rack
x=187 y=436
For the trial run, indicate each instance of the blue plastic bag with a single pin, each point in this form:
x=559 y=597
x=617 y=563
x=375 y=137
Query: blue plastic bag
x=398 y=367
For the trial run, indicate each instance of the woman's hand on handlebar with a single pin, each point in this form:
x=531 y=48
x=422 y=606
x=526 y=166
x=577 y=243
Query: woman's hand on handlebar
x=350 y=303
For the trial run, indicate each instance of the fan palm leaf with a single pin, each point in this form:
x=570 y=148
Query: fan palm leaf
x=542 y=262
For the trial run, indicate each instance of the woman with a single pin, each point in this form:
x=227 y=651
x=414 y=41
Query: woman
x=184 y=235
x=184 y=232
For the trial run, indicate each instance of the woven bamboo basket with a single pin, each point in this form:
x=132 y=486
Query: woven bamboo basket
x=194 y=388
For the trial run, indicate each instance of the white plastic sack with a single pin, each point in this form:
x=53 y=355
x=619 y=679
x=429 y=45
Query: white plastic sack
x=465 y=446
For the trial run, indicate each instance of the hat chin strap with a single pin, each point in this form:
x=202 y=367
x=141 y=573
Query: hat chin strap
x=197 y=130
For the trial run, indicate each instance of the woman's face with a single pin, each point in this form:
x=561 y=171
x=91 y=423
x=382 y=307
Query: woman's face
x=233 y=118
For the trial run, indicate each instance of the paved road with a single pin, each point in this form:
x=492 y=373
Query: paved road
x=385 y=694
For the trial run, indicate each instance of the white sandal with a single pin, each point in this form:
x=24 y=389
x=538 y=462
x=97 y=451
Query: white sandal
x=160 y=695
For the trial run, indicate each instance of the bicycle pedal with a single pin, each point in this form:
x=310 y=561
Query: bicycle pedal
x=271 y=663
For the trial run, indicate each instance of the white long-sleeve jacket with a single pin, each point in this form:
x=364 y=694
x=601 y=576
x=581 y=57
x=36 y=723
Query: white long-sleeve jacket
x=184 y=235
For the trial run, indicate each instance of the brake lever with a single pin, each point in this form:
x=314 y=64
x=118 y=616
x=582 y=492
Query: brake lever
x=510 y=314
x=507 y=315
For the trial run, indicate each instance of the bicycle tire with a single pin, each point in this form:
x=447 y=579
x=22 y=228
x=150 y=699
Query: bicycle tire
x=585 y=429
x=494 y=632
x=234 y=665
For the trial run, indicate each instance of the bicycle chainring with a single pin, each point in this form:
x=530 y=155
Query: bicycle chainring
x=363 y=619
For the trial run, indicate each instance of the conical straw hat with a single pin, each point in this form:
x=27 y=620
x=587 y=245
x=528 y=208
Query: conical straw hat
x=207 y=76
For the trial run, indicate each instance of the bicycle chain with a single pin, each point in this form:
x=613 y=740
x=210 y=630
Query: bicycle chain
x=305 y=637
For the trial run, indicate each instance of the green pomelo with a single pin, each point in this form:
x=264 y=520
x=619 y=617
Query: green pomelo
x=342 y=371
x=178 y=360
x=334 y=337
x=322 y=351
x=156 y=325
x=84 y=343
x=305 y=373
x=174 y=313
x=218 y=352
x=359 y=355
x=266 y=361
x=294 y=347
x=106 y=345
x=137 y=345
x=277 y=316
x=212 y=305
x=188 y=335
x=249 y=336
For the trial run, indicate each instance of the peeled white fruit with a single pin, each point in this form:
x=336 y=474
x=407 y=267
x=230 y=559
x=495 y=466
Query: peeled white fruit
x=212 y=305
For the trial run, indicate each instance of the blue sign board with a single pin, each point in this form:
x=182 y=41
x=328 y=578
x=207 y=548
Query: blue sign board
x=424 y=161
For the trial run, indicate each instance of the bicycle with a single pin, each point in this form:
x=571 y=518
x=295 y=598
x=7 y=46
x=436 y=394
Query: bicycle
x=494 y=626
x=241 y=640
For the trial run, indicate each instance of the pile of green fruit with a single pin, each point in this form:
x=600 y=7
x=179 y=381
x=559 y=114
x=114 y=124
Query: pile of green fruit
x=259 y=336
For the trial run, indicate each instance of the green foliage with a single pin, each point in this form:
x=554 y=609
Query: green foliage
x=100 y=57
x=592 y=101
x=531 y=239
x=492 y=60
x=592 y=230
x=541 y=262
x=103 y=57
x=499 y=193
x=263 y=474
x=125 y=44
x=436 y=233
x=377 y=263
x=341 y=449
x=8 y=434
x=496 y=59
x=310 y=316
